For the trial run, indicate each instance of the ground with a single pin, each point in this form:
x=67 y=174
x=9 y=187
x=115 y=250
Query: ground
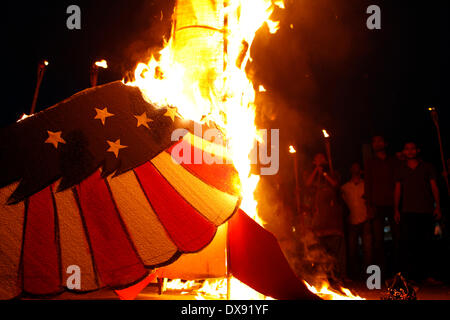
x=151 y=293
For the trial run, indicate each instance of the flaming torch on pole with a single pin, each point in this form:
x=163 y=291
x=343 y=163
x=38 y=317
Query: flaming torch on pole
x=94 y=70
x=40 y=74
x=434 y=117
x=328 y=149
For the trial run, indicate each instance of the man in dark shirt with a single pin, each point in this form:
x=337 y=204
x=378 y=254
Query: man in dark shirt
x=416 y=202
x=379 y=194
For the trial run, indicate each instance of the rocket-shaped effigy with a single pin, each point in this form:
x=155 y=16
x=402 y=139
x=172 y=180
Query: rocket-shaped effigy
x=198 y=45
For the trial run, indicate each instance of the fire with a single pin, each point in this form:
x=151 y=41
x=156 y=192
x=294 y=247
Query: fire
x=325 y=133
x=201 y=71
x=24 y=116
x=216 y=289
x=102 y=64
x=292 y=149
x=327 y=293
x=45 y=62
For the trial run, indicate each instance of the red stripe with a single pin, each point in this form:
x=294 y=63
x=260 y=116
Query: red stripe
x=132 y=292
x=189 y=230
x=41 y=268
x=223 y=177
x=116 y=260
x=256 y=259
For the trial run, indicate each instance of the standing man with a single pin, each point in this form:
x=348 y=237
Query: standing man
x=327 y=217
x=359 y=223
x=379 y=193
x=416 y=202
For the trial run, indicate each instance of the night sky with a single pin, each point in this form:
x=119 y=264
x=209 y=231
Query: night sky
x=329 y=71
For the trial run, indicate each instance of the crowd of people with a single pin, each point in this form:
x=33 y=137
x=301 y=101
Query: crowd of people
x=385 y=215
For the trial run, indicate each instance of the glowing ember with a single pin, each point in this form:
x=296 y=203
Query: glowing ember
x=327 y=293
x=216 y=289
x=102 y=64
x=24 y=116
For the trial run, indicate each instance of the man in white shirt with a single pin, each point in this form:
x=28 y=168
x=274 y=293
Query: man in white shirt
x=359 y=222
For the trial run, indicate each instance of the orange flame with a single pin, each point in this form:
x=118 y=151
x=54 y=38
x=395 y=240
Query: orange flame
x=292 y=149
x=201 y=72
x=216 y=289
x=327 y=293
x=325 y=133
x=102 y=64
x=207 y=82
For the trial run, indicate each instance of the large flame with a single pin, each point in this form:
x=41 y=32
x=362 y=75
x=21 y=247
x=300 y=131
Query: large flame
x=326 y=292
x=201 y=71
x=214 y=289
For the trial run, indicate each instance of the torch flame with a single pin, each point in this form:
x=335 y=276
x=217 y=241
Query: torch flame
x=102 y=64
x=45 y=62
x=292 y=149
x=24 y=116
x=325 y=133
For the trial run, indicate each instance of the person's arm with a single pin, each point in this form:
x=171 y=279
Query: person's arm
x=330 y=180
x=311 y=177
x=435 y=190
x=397 y=196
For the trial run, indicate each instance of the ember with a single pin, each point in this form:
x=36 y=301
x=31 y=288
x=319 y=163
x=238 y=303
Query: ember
x=399 y=289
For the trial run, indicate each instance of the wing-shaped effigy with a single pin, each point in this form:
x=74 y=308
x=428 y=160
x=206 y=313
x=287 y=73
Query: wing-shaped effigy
x=91 y=183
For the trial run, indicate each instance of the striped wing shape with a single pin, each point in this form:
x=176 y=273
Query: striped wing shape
x=111 y=227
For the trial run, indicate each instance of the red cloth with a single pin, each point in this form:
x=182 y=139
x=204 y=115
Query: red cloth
x=189 y=230
x=41 y=273
x=256 y=259
x=116 y=260
x=132 y=292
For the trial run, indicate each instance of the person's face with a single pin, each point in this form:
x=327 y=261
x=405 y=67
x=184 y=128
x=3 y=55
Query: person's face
x=319 y=159
x=355 y=169
x=378 y=143
x=410 y=151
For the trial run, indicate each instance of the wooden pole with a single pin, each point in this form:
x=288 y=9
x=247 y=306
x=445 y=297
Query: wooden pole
x=225 y=51
x=297 y=179
x=40 y=76
x=94 y=75
x=330 y=161
x=228 y=261
x=434 y=116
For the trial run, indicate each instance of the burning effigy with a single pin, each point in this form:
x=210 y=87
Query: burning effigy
x=93 y=183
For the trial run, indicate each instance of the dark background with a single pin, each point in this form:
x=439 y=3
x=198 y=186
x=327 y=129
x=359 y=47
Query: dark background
x=329 y=71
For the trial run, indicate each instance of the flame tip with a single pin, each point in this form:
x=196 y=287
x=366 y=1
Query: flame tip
x=102 y=64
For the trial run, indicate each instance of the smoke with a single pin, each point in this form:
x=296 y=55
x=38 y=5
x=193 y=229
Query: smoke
x=303 y=66
x=154 y=21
